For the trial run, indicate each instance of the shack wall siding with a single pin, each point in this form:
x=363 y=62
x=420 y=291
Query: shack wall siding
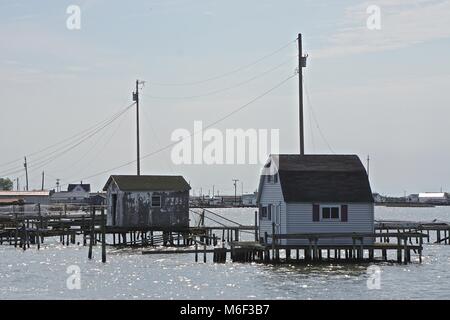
x=299 y=220
x=134 y=208
x=271 y=193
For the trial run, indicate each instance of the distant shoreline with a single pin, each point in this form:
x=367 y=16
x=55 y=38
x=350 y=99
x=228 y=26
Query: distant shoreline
x=408 y=204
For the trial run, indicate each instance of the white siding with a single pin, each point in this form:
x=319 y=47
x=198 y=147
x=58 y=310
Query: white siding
x=360 y=220
x=271 y=194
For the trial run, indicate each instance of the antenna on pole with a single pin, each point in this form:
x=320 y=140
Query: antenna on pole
x=301 y=65
x=235 y=181
x=26 y=172
x=138 y=151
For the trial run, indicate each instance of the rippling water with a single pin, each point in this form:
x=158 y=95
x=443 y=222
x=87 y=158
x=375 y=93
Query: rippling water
x=130 y=275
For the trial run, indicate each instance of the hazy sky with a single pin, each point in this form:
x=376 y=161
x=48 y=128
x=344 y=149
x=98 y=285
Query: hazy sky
x=379 y=92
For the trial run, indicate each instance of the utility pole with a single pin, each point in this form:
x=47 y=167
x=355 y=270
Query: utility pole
x=17 y=181
x=43 y=177
x=368 y=166
x=26 y=172
x=301 y=65
x=235 y=181
x=57 y=185
x=136 y=99
x=213 y=191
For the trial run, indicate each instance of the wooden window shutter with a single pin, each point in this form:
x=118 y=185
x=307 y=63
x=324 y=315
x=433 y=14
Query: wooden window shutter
x=316 y=212
x=344 y=213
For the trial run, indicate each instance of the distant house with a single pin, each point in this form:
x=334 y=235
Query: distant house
x=414 y=197
x=315 y=194
x=434 y=197
x=147 y=201
x=27 y=197
x=378 y=198
x=97 y=199
x=230 y=201
x=249 y=199
x=75 y=194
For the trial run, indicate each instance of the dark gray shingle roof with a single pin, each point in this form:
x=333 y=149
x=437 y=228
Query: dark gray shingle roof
x=86 y=187
x=148 y=183
x=323 y=178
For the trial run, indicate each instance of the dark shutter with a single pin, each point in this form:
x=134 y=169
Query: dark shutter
x=344 y=213
x=316 y=212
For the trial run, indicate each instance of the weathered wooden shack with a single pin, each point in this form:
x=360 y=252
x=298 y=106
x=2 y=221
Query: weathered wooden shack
x=312 y=194
x=147 y=201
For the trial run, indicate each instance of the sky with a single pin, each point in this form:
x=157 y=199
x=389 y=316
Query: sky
x=381 y=92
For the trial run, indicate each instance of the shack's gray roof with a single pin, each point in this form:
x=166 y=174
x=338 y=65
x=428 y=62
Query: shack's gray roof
x=322 y=178
x=148 y=183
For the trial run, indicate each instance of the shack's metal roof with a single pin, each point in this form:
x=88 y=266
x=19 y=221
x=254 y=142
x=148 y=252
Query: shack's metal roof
x=148 y=183
x=322 y=178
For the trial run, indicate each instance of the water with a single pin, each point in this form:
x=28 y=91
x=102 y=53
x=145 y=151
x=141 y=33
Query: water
x=129 y=275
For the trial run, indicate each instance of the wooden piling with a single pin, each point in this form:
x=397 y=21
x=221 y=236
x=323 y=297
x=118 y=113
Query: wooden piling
x=103 y=226
x=92 y=233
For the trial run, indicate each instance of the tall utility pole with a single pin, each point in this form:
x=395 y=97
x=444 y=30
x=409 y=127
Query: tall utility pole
x=368 y=165
x=136 y=99
x=43 y=177
x=18 y=188
x=235 y=181
x=301 y=65
x=26 y=172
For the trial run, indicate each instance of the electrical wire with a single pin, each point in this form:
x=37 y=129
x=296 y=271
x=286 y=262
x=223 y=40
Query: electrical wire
x=210 y=93
x=50 y=157
x=226 y=73
x=315 y=119
x=191 y=135
x=81 y=133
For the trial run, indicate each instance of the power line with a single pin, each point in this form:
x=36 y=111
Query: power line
x=81 y=133
x=315 y=119
x=107 y=141
x=226 y=88
x=48 y=158
x=192 y=134
x=226 y=73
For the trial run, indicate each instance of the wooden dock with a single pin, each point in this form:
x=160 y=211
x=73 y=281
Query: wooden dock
x=88 y=228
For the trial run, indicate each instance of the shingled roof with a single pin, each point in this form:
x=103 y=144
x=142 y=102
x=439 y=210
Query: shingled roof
x=323 y=178
x=148 y=183
x=86 y=187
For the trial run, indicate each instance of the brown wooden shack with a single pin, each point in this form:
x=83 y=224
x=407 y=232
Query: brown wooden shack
x=147 y=201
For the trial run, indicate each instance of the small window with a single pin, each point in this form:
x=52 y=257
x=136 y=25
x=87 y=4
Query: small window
x=263 y=212
x=275 y=178
x=156 y=201
x=335 y=213
x=269 y=178
x=269 y=212
x=330 y=213
x=326 y=213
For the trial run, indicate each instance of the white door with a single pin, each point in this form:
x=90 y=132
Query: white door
x=277 y=219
